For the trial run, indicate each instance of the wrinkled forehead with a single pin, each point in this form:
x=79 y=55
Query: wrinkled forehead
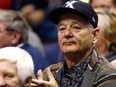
x=8 y=65
x=8 y=61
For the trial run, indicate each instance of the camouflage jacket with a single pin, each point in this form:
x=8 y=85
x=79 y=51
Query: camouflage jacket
x=99 y=73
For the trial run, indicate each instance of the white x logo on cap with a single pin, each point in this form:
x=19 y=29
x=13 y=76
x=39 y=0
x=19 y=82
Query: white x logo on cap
x=70 y=4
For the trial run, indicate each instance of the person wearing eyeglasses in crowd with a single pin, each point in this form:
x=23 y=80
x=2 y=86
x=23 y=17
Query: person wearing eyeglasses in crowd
x=14 y=32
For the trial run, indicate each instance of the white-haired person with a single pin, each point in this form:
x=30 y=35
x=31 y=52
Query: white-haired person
x=16 y=67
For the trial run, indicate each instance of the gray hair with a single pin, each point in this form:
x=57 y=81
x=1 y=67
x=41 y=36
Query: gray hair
x=14 y=21
x=22 y=59
x=107 y=22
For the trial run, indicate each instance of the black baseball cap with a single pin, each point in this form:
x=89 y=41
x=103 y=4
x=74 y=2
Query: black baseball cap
x=76 y=7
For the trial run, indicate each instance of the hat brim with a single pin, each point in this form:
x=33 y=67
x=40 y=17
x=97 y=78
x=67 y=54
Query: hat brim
x=58 y=12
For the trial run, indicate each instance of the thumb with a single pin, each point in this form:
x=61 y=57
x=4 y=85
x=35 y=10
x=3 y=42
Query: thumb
x=40 y=75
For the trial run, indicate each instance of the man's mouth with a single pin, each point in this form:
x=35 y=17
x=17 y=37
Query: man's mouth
x=69 y=43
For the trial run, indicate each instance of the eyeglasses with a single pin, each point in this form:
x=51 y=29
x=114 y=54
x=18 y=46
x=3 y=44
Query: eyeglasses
x=2 y=30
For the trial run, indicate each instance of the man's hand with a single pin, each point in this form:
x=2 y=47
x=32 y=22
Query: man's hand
x=42 y=83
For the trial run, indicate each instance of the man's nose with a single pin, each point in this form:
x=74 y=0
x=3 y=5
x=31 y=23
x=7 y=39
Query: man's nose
x=2 y=82
x=68 y=33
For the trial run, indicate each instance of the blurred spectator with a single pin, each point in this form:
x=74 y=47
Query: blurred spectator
x=16 y=67
x=14 y=32
x=106 y=44
x=101 y=44
x=36 y=12
x=16 y=4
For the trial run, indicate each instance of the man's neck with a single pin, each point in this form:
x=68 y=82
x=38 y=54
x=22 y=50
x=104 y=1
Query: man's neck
x=75 y=58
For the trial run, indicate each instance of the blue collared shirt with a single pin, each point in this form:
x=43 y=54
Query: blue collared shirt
x=73 y=77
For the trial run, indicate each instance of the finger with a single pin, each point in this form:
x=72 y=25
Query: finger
x=39 y=82
x=40 y=75
x=33 y=85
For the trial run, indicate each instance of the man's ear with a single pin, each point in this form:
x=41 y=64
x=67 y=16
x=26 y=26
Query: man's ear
x=16 y=38
x=27 y=82
x=95 y=35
